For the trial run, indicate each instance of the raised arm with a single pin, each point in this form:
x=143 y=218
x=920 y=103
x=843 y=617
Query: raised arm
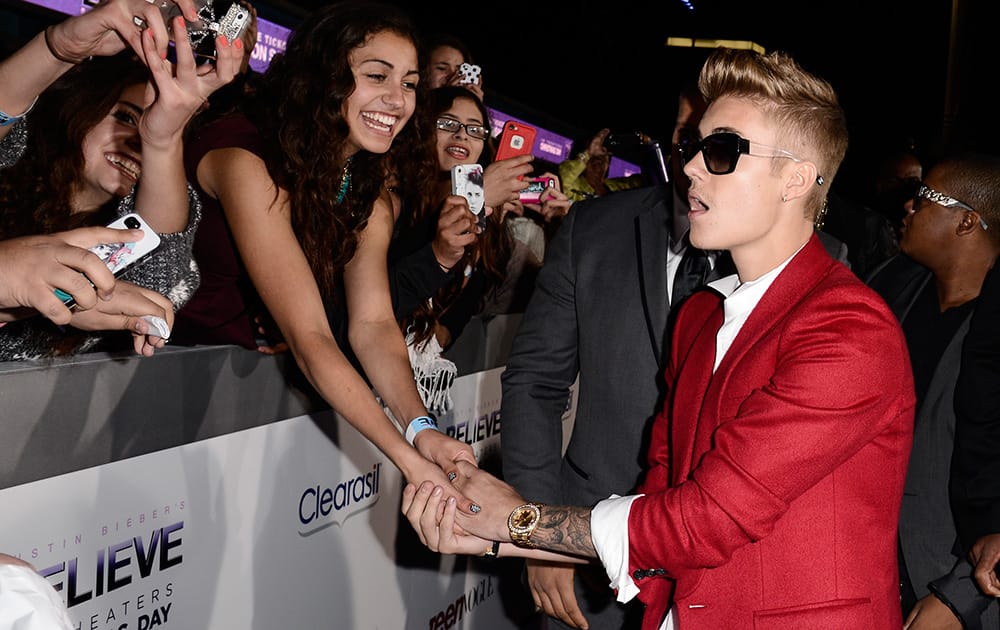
x=104 y=30
x=173 y=96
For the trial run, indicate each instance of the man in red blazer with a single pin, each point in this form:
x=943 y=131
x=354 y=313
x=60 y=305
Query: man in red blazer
x=777 y=463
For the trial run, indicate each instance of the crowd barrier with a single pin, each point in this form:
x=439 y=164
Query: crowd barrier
x=210 y=487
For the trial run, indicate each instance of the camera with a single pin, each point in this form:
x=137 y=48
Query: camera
x=628 y=141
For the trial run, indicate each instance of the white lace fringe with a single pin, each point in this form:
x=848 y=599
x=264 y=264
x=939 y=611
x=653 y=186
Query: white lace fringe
x=433 y=373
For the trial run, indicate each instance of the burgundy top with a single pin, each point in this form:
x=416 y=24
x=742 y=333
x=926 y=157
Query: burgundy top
x=223 y=308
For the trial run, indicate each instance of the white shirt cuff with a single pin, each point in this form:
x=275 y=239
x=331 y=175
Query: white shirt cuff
x=609 y=533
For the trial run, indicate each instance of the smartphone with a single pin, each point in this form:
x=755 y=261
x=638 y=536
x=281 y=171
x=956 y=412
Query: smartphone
x=467 y=181
x=515 y=139
x=120 y=256
x=536 y=186
x=469 y=73
x=202 y=33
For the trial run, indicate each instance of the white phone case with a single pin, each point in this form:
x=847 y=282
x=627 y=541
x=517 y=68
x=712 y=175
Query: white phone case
x=467 y=181
x=120 y=256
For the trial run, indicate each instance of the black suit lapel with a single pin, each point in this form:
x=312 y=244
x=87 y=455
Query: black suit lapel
x=652 y=235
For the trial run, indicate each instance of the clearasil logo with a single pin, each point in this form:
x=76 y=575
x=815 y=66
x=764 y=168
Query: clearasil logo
x=321 y=506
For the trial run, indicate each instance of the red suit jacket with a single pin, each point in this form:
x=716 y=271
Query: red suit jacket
x=774 y=488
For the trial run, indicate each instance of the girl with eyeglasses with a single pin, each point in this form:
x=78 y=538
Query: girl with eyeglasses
x=479 y=268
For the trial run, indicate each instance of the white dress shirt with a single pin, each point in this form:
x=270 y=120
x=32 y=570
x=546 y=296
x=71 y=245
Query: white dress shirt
x=609 y=518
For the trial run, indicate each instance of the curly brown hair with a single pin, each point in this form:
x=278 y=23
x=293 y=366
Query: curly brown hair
x=36 y=192
x=298 y=110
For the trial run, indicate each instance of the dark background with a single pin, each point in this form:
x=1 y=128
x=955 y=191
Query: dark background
x=908 y=72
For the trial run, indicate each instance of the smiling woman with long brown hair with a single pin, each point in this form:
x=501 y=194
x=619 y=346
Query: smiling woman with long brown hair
x=297 y=222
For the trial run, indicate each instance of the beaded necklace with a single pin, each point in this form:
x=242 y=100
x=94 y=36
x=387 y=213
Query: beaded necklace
x=345 y=181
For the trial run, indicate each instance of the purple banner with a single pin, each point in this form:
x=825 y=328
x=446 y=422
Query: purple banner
x=553 y=147
x=548 y=145
x=271 y=39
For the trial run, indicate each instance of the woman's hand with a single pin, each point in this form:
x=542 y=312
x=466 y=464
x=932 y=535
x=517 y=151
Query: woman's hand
x=110 y=26
x=421 y=470
x=443 y=450
x=177 y=93
x=432 y=513
x=33 y=267
x=475 y=88
x=596 y=147
x=444 y=453
x=124 y=311
x=555 y=205
x=501 y=180
x=456 y=228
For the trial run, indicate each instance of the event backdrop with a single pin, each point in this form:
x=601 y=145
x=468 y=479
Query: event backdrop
x=293 y=524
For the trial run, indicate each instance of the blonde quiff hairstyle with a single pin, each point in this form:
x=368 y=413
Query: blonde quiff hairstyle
x=804 y=107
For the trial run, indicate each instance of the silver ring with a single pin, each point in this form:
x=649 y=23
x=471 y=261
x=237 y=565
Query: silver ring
x=138 y=21
x=452 y=476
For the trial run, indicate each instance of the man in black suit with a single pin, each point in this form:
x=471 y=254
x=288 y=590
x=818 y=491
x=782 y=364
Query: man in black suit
x=975 y=472
x=616 y=268
x=950 y=232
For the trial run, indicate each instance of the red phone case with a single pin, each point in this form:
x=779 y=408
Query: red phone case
x=515 y=139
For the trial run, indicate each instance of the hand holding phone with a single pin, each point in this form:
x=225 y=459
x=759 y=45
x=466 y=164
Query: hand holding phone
x=515 y=139
x=120 y=256
x=467 y=181
x=469 y=73
x=536 y=186
x=203 y=31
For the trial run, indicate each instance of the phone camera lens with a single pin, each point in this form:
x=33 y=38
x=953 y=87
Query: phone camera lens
x=132 y=223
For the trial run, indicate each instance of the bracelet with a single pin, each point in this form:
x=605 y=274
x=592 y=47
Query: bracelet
x=52 y=51
x=417 y=425
x=6 y=120
x=492 y=552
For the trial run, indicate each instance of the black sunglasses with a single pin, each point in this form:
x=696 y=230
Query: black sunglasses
x=722 y=151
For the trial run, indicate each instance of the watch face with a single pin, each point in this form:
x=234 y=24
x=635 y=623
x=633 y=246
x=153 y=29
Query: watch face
x=524 y=517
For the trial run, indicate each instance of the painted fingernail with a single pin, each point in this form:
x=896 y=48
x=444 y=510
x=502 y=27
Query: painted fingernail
x=452 y=476
x=475 y=509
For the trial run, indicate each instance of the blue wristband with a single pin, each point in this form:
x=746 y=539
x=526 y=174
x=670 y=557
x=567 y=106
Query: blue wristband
x=417 y=425
x=6 y=120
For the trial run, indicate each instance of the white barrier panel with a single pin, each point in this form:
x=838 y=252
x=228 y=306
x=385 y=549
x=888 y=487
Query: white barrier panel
x=294 y=524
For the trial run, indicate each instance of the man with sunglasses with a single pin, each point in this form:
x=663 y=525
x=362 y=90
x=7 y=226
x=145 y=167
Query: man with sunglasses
x=949 y=243
x=777 y=463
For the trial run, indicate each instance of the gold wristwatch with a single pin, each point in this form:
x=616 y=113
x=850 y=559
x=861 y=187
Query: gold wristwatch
x=522 y=523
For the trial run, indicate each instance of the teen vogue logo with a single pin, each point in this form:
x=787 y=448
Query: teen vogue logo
x=321 y=506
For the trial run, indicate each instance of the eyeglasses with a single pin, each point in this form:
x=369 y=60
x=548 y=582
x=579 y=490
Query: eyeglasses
x=944 y=200
x=722 y=151
x=451 y=125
